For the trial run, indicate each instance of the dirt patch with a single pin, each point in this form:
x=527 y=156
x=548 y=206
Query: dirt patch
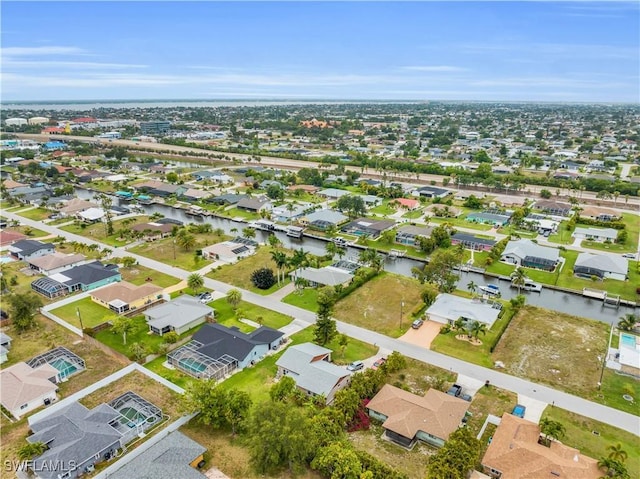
x=557 y=349
x=423 y=336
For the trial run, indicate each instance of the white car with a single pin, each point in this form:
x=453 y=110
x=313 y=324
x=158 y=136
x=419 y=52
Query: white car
x=629 y=255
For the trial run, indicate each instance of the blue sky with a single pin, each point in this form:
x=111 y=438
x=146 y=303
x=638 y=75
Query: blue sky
x=513 y=51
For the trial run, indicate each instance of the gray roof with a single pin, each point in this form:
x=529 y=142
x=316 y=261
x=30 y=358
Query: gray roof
x=169 y=457
x=453 y=307
x=412 y=230
x=524 y=247
x=333 y=192
x=74 y=434
x=319 y=377
x=608 y=233
x=178 y=312
x=326 y=276
x=329 y=216
x=252 y=203
x=607 y=263
x=218 y=340
x=27 y=247
x=86 y=274
x=4 y=338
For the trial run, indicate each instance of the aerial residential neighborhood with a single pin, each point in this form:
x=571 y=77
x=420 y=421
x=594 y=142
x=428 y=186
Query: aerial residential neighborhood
x=278 y=275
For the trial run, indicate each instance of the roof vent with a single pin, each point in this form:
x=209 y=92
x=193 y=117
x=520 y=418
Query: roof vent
x=554 y=473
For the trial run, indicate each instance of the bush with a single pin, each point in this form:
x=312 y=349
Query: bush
x=496 y=340
x=171 y=337
x=263 y=278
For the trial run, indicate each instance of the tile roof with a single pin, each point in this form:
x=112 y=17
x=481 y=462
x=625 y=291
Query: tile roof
x=56 y=260
x=21 y=383
x=126 y=292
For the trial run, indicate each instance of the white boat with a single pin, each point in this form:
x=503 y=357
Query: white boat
x=528 y=285
x=491 y=289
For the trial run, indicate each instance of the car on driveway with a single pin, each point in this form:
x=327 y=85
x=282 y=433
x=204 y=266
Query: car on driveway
x=379 y=363
x=205 y=297
x=519 y=410
x=355 y=366
x=455 y=390
x=417 y=323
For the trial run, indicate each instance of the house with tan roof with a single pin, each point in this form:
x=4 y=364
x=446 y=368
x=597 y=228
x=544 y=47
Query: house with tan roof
x=599 y=214
x=123 y=296
x=153 y=231
x=407 y=418
x=56 y=262
x=23 y=388
x=515 y=453
x=75 y=206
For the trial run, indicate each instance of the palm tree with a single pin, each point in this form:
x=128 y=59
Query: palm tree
x=195 y=281
x=627 y=322
x=281 y=260
x=472 y=287
x=234 y=296
x=551 y=429
x=331 y=248
x=478 y=328
x=274 y=241
x=518 y=278
x=300 y=258
x=613 y=469
x=31 y=450
x=617 y=453
x=459 y=326
x=249 y=233
x=186 y=240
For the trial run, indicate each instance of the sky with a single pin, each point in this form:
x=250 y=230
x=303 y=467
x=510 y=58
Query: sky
x=485 y=51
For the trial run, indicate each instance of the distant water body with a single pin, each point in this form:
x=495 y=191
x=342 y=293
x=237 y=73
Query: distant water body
x=90 y=105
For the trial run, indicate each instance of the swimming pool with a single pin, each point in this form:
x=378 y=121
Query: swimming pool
x=192 y=364
x=629 y=341
x=65 y=367
x=6 y=259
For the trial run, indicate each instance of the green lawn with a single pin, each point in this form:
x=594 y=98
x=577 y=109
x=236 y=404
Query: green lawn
x=29 y=231
x=238 y=213
x=225 y=315
x=173 y=375
x=632 y=223
x=92 y=313
x=139 y=275
x=36 y=214
x=449 y=345
x=97 y=231
x=614 y=386
x=383 y=209
x=461 y=222
x=579 y=433
x=413 y=215
x=307 y=299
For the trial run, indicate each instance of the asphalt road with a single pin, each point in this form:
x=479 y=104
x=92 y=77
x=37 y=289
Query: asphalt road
x=619 y=419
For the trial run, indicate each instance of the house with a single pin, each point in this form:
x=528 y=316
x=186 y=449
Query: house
x=153 y=231
x=368 y=227
x=323 y=220
x=78 y=437
x=8 y=237
x=554 y=208
x=407 y=203
x=254 y=204
x=56 y=262
x=175 y=455
x=228 y=251
x=91 y=215
x=215 y=350
x=332 y=193
x=75 y=206
x=5 y=346
x=430 y=192
x=409 y=234
x=79 y=278
x=311 y=189
x=192 y=194
x=180 y=315
x=472 y=242
x=30 y=194
x=23 y=388
x=447 y=308
x=160 y=188
x=123 y=296
x=525 y=252
x=327 y=276
x=601 y=265
x=288 y=212
x=371 y=200
x=629 y=350
x=29 y=249
x=516 y=453
x=310 y=366
x=495 y=219
x=599 y=214
x=407 y=418
x=227 y=199
x=599 y=235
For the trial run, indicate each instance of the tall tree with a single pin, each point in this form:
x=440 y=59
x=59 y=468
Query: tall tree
x=457 y=457
x=519 y=278
x=440 y=269
x=338 y=461
x=218 y=407
x=122 y=325
x=553 y=430
x=195 y=281
x=23 y=308
x=234 y=296
x=106 y=202
x=326 y=328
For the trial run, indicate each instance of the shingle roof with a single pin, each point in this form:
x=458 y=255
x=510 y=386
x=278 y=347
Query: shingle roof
x=452 y=307
x=515 y=451
x=524 y=247
x=27 y=247
x=56 y=260
x=435 y=413
x=609 y=233
x=219 y=340
x=178 y=312
x=604 y=262
x=472 y=239
x=326 y=276
x=329 y=216
x=170 y=457
x=85 y=274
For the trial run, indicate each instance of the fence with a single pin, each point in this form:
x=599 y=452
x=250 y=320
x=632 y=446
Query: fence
x=61 y=322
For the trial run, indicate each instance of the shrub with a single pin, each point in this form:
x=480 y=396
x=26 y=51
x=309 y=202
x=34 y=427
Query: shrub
x=263 y=278
x=171 y=337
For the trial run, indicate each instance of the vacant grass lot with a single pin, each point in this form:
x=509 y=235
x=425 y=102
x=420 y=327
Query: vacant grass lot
x=556 y=349
x=45 y=336
x=139 y=275
x=226 y=316
x=239 y=274
x=306 y=299
x=98 y=232
x=579 y=434
x=36 y=214
x=92 y=313
x=376 y=305
x=173 y=254
x=460 y=222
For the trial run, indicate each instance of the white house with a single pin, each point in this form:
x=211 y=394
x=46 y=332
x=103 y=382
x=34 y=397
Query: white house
x=180 y=315
x=228 y=251
x=23 y=388
x=447 y=308
x=596 y=234
x=602 y=265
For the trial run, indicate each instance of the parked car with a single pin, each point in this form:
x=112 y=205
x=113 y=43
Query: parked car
x=205 y=297
x=519 y=410
x=417 y=323
x=355 y=366
x=629 y=255
x=455 y=390
x=379 y=363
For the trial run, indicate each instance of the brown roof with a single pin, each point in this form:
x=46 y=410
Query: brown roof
x=436 y=413
x=596 y=211
x=154 y=227
x=10 y=184
x=126 y=292
x=77 y=204
x=514 y=451
x=9 y=237
x=307 y=188
x=21 y=383
x=56 y=260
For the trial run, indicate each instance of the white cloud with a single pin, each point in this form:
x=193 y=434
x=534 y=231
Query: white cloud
x=39 y=51
x=66 y=64
x=434 y=68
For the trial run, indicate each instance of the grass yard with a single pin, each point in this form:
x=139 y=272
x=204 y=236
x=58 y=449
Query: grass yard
x=614 y=386
x=414 y=215
x=138 y=275
x=238 y=213
x=91 y=312
x=36 y=214
x=376 y=305
x=226 y=316
x=45 y=336
x=579 y=434
x=32 y=233
x=491 y=400
x=553 y=348
x=460 y=222
x=419 y=377
x=239 y=274
x=384 y=209
x=306 y=299
x=449 y=345
x=22 y=281
x=172 y=254
x=98 y=232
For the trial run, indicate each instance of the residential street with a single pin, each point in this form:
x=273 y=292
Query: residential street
x=622 y=420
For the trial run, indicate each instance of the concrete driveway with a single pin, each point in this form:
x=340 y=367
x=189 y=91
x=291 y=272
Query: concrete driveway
x=535 y=408
x=423 y=336
x=469 y=385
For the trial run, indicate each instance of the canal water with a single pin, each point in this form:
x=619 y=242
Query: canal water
x=563 y=302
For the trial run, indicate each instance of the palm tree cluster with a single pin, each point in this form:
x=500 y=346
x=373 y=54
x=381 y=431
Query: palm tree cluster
x=299 y=259
x=613 y=465
x=628 y=322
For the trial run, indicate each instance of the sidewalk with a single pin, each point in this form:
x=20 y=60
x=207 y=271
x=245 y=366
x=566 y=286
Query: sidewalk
x=282 y=292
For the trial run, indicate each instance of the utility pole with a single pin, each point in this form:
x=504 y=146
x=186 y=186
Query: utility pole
x=80 y=319
x=401 y=311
